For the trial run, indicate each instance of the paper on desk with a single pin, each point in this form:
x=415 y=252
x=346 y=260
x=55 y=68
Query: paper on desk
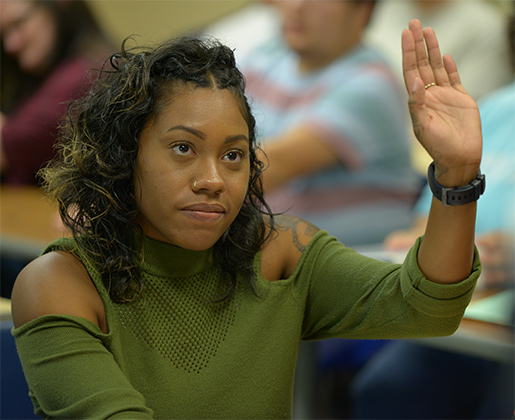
x=497 y=308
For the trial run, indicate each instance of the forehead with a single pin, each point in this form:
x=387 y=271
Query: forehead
x=199 y=106
x=11 y=10
x=186 y=98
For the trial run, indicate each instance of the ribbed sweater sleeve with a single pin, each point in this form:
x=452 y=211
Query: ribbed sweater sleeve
x=352 y=296
x=73 y=374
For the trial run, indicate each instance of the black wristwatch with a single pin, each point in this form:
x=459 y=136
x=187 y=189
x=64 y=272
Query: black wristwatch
x=459 y=195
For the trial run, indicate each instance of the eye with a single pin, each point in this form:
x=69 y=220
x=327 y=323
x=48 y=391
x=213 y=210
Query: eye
x=183 y=149
x=234 y=156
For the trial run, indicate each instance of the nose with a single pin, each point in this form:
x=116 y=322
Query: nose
x=208 y=179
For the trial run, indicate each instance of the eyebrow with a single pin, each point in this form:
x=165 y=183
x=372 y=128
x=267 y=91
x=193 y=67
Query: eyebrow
x=202 y=136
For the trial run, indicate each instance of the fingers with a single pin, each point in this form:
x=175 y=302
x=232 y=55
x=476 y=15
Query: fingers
x=422 y=58
x=440 y=76
x=452 y=72
x=424 y=66
x=409 y=60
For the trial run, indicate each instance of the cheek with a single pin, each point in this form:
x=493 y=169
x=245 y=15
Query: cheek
x=144 y=182
x=41 y=36
x=241 y=187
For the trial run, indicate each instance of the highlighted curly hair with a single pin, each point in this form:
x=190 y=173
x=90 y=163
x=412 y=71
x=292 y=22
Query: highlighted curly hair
x=91 y=178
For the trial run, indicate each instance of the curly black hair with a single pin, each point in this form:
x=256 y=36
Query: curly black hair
x=91 y=178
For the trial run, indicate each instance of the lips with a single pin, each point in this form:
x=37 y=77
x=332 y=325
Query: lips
x=204 y=212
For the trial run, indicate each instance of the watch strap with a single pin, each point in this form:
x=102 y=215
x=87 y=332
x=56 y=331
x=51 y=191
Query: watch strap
x=458 y=195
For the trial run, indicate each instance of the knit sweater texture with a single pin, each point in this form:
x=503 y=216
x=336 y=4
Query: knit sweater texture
x=177 y=354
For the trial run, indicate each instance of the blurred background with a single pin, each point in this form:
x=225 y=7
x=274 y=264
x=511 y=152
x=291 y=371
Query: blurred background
x=121 y=18
x=155 y=20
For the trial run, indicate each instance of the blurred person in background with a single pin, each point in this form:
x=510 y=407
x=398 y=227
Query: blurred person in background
x=47 y=48
x=333 y=123
x=423 y=375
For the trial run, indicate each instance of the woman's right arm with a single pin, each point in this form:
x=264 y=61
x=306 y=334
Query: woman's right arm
x=60 y=330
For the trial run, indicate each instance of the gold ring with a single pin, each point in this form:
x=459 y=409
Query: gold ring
x=195 y=185
x=429 y=85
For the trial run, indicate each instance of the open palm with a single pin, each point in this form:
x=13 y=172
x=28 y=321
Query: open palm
x=445 y=118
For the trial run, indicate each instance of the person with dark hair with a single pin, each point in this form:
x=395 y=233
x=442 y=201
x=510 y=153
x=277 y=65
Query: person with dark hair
x=47 y=48
x=181 y=295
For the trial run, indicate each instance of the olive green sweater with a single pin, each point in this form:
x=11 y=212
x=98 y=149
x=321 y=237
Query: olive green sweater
x=177 y=354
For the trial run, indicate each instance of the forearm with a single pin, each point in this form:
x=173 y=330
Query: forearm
x=447 y=250
x=293 y=154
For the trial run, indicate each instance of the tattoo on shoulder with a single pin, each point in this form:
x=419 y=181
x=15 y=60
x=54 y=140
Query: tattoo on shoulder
x=296 y=226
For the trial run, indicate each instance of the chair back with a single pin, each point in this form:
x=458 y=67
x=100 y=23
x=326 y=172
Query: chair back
x=15 y=402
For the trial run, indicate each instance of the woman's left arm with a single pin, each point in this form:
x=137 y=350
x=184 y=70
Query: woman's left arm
x=447 y=124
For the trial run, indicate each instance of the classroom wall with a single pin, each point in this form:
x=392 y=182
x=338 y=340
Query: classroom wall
x=155 y=20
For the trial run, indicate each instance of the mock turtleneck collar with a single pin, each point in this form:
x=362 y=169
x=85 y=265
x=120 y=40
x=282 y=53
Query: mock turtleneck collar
x=165 y=260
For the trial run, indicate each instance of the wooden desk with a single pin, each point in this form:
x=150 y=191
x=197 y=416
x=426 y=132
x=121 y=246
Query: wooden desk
x=28 y=221
x=478 y=338
x=5 y=309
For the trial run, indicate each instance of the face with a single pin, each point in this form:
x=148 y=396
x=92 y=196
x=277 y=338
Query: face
x=29 y=33
x=192 y=169
x=321 y=27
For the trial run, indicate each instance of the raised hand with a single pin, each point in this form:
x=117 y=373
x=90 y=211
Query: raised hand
x=445 y=118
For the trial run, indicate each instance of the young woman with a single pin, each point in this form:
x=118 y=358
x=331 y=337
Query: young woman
x=180 y=295
x=47 y=49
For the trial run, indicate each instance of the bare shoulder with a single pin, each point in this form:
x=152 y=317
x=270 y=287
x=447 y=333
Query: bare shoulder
x=56 y=283
x=282 y=252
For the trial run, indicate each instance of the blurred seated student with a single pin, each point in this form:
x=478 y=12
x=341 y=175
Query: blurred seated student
x=409 y=381
x=47 y=49
x=181 y=295
x=332 y=119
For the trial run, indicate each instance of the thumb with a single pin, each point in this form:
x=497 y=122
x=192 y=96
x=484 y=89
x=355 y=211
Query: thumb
x=417 y=94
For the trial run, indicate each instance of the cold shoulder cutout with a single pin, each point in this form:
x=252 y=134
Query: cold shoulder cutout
x=282 y=252
x=56 y=283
